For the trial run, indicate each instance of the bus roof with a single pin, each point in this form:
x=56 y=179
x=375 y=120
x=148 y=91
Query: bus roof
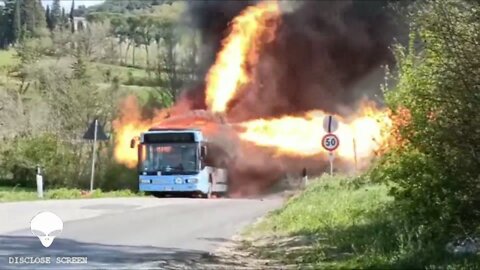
x=156 y=132
x=174 y=129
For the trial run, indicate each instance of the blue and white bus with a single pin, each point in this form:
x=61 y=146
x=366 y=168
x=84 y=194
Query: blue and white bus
x=173 y=162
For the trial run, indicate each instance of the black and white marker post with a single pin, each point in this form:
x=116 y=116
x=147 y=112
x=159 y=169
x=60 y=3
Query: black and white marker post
x=39 y=179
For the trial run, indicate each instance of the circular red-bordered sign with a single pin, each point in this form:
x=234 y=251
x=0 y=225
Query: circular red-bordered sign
x=330 y=142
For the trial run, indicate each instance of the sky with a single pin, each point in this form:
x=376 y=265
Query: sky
x=67 y=4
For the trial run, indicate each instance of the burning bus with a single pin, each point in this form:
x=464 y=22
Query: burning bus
x=175 y=161
x=262 y=109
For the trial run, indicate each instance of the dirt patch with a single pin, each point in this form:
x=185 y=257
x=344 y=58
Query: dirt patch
x=259 y=253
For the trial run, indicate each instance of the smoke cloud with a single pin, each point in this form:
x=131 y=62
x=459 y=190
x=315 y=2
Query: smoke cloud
x=321 y=52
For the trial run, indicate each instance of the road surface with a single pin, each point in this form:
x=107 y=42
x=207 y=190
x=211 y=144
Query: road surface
x=125 y=233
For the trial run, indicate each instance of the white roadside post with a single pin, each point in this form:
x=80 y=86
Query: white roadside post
x=39 y=178
x=331 y=157
x=305 y=176
x=330 y=141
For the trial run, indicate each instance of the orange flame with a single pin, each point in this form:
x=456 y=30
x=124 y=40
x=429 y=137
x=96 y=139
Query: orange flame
x=127 y=127
x=361 y=134
x=301 y=135
x=249 y=31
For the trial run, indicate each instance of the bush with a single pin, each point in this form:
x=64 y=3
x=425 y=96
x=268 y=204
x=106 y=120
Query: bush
x=63 y=193
x=31 y=50
x=418 y=185
x=114 y=176
x=21 y=155
x=434 y=172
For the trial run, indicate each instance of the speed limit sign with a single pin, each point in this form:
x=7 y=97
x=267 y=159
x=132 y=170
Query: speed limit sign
x=330 y=142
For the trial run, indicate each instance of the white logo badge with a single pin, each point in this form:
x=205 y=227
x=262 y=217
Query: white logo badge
x=46 y=226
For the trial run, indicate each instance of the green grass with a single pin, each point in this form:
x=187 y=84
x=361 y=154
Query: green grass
x=8 y=194
x=7 y=58
x=122 y=72
x=341 y=223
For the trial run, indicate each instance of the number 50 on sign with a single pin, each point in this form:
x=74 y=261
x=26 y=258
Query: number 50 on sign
x=330 y=142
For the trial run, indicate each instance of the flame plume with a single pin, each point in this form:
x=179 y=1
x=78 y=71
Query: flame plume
x=252 y=28
x=298 y=136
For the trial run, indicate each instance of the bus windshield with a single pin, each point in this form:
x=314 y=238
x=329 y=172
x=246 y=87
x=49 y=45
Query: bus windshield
x=170 y=158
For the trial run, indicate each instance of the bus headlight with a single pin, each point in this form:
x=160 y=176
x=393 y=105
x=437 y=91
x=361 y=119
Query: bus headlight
x=178 y=180
x=192 y=180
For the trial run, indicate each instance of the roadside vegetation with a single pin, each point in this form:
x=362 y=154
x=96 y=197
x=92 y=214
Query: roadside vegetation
x=418 y=205
x=10 y=194
x=345 y=223
x=57 y=74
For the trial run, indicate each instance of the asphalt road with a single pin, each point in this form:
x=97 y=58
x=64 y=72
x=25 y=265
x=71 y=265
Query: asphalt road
x=125 y=233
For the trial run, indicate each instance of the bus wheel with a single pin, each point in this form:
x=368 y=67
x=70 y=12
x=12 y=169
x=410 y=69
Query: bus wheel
x=159 y=194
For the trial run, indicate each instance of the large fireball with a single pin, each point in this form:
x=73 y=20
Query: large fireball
x=361 y=133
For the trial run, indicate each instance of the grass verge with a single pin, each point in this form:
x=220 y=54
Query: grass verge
x=342 y=223
x=9 y=194
x=7 y=58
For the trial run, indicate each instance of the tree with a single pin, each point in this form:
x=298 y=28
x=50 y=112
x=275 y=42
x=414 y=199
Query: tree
x=56 y=13
x=32 y=16
x=132 y=35
x=17 y=22
x=144 y=34
x=434 y=169
x=7 y=19
x=72 y=22
x=3 y=21
x=63 y=20
x=93 y=39
x=27 y=17
x=168 y=64
x=48 y=16
x=120 y=31
x=21 y=19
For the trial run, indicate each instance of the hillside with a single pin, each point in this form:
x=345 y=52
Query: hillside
x=54 y=80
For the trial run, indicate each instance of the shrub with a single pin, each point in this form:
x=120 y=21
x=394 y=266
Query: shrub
x=434 y=175
x=21 y=155
x=114 y=176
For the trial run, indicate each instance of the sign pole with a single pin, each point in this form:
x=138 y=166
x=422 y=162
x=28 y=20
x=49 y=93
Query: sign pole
x=331 y=162
x=355 y=154
x=94 y=155
x=330 y=141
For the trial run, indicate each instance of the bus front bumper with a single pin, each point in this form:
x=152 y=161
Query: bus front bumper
x=169 y=188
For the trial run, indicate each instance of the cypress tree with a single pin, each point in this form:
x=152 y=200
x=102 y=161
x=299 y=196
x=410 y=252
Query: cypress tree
x=28 y=15
x=56 y=13
x=7 y=29
x=63 y=19
x=32 y=16
x=3 y=23
x=72 y=21
x=41 y=20
x=48 y=18
x=17 y=22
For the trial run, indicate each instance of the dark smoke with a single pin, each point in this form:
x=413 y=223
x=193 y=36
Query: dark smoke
x=321 y=52
x=211 y=18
